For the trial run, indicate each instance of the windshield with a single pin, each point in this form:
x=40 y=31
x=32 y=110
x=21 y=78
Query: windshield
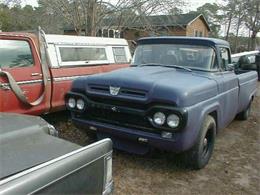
x=190 y=56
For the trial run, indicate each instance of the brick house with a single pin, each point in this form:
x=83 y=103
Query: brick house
x=178 y=25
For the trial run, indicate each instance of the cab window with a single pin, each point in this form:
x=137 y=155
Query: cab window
x=225 y=59
x=15 y=54
x=119 y=54
x=82 y=55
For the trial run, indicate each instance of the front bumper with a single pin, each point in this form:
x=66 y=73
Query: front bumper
x=135 y=136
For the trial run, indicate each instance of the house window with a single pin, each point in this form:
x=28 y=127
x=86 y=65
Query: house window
x=195 y=33
x=117 y=34
x=111 y=33
x=99 y=33
x=119 y=54
x=198 y=33
x=122 y=34
x=105 y=33
x=108 y=33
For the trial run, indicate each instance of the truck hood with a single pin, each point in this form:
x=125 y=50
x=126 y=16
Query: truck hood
x=25 y=143
x=10 y=122
x=163 y=84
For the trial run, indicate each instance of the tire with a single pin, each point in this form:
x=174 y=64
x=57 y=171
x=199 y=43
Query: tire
x=199 y=155
x=244 y=115
x=91 y=135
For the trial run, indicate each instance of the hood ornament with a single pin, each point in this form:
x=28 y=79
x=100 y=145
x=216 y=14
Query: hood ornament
x=114 y=90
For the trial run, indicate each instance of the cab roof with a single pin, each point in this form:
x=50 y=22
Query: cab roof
x=183 y=40
x=69 y=39
x=245 y=53
x=84 y=40
x=18 y=35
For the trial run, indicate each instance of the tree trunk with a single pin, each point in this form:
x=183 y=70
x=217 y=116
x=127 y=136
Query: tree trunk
x=91 y=18
x=253 y=41
x=229 y=24
x=249 y=39
x=239 y=20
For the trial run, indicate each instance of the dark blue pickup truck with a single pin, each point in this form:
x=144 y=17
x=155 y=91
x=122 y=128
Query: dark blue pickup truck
x=176 y=96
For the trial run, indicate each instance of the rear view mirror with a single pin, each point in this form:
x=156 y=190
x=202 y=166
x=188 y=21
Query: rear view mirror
x=230 y=67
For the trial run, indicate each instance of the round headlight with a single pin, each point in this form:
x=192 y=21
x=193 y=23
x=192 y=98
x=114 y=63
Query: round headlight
x=173 y=121
x=80 y=104
x=159 y=118
x=71 y=102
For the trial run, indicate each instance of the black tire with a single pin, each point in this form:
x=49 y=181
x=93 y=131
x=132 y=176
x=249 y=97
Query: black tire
x=244 y=115
x=199 y=155
x=91 y=134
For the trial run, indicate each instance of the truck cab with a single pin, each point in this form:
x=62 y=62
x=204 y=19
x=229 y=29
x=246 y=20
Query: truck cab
x=177 y=94
x=36 y=70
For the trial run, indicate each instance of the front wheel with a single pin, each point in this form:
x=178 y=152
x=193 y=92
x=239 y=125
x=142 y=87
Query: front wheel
x=244 y=115
x=198 y=156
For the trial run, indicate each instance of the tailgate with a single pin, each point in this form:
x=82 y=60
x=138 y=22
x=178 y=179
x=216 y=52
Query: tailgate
x=79 y=172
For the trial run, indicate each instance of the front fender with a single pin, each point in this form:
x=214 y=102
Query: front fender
x=196 y=116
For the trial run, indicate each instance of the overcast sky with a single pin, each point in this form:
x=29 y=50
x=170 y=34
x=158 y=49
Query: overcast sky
x=192 y=4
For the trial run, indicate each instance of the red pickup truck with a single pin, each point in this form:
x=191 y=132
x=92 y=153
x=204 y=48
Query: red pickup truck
x=36 y=70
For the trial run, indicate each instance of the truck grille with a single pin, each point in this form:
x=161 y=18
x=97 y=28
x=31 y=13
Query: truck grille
x=118 y=102
x=123 y=91
x=120 y=119
x=129 y=112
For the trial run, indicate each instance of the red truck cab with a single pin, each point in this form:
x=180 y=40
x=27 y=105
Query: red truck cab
x=42 y=67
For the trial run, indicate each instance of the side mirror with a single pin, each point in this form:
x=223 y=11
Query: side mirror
x=230 y=67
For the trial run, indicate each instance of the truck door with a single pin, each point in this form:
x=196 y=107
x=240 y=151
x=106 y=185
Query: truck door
x=229 y=88
x=19 y=57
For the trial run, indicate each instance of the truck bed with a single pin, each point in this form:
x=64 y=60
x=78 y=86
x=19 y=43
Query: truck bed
x=247 y=88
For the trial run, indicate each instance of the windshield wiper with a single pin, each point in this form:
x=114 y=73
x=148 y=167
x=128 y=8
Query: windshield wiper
x=180 y=67
x=163 y=65
x=146 y=64
x=150 y=64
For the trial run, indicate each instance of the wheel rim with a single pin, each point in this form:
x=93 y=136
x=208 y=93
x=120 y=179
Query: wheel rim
x=248 y=111
x=207 y=143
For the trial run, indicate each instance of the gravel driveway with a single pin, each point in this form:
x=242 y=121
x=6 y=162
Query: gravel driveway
x=233 y=169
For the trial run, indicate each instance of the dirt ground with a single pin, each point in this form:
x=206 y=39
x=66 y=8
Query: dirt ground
x=233 y=169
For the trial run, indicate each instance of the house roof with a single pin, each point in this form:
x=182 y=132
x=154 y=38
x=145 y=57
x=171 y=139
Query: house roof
x=159 y=20
x=168 y=20
x=181 y=20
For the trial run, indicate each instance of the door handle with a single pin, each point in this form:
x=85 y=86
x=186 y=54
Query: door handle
x=25 y=92
x=4 y=86
x=36 y=74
